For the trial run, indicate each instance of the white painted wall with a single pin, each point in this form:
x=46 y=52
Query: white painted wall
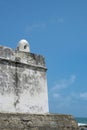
x=23 y=88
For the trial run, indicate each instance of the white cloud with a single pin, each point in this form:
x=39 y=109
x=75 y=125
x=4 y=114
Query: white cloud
x=36 y=26
x=63 y=102
x=60 y=20
x=43 y=25
x=64 y=83
x=57 y=21
x=83 y=95
x=56 y=95
x=64 y=99
x=60 y=85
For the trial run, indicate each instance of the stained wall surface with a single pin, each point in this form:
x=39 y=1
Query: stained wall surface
x=23 y=83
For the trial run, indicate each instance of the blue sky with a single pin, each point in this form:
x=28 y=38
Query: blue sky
x=56 y=29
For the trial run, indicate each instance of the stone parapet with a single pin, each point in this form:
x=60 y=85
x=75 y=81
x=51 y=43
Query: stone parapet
x=22 y=57
x=37 y=122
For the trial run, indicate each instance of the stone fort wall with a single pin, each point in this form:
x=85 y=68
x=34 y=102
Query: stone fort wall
x=23 y=84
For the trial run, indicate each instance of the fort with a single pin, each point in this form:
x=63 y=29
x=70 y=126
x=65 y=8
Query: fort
x=24 y=94
x=23 y=85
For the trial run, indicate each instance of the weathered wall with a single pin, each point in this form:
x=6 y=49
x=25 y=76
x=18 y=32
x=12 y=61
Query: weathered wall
x=37 y=122
x=23 y=85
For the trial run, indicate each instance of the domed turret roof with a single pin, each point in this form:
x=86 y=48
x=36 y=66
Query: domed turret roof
x=23 y=45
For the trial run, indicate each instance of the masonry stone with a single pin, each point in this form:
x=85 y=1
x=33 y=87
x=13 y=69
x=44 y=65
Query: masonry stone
x=37 y=122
